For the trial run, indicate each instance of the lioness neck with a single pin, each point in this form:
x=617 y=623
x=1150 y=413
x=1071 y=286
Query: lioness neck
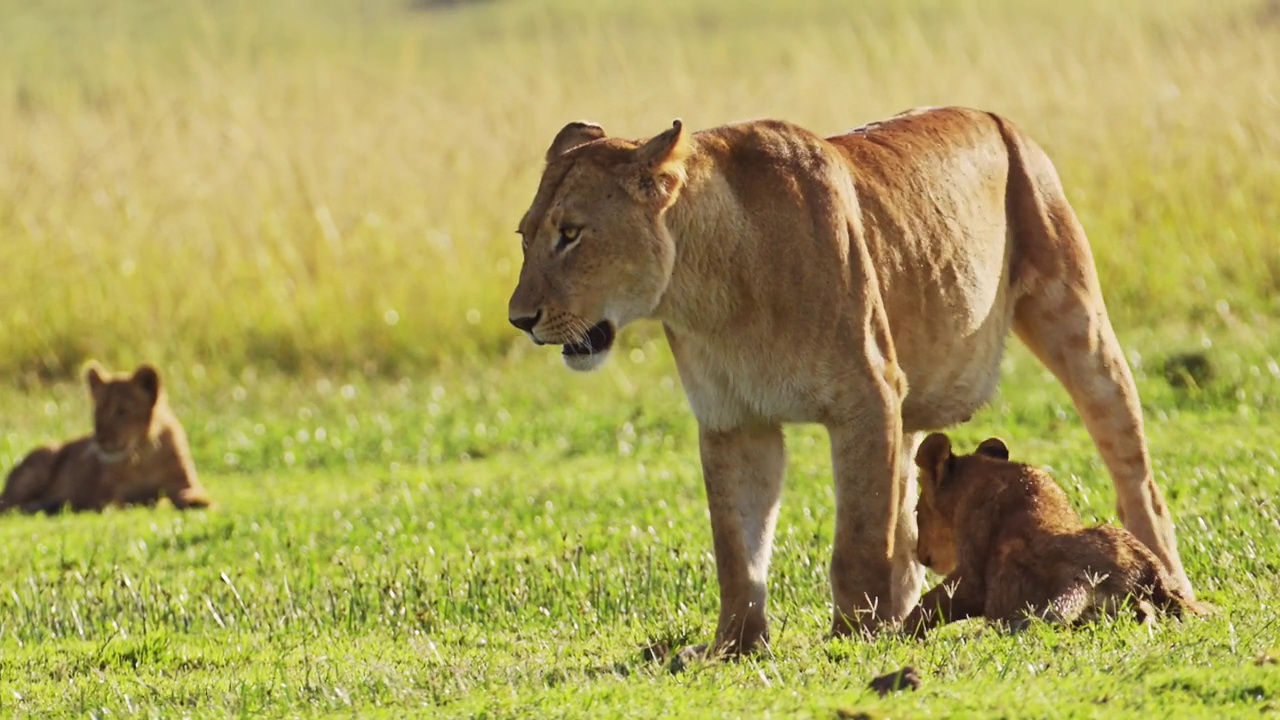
x=762 y=231
x=707 y=224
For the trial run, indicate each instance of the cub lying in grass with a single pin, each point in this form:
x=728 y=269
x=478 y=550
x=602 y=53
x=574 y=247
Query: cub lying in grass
x=1013 y=548
x=138 y=451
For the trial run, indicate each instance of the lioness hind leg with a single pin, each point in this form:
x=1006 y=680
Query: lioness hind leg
x=1063 y=320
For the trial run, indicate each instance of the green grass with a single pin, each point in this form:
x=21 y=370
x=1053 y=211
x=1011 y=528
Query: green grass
x=476 y=544
x=303 y=213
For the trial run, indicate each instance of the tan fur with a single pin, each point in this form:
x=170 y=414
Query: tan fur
x=866 y=282
x=1012 y=548
x=28 y=482
x=138 y=453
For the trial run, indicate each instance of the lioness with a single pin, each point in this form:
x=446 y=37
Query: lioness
x=1011 y=547
x=138 y=452
x=865 y=281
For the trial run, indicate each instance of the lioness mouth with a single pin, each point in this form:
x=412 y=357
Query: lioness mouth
x=598 y=339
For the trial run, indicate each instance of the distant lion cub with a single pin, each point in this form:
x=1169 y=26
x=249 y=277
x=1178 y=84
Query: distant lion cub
x=1012 y=547
x=138 y=452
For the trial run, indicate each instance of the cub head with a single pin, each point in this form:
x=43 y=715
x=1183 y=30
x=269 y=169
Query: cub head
x=123 y=406
x=942 y=477
x=597 y=254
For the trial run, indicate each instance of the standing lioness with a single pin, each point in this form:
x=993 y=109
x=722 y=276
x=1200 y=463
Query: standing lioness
x=866 y=282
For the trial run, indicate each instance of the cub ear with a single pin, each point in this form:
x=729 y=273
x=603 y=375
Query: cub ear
x=660 y=162
x=934 y=457
x=573 y=135
x=147 y=378
x=94 y=376
x=994 y=447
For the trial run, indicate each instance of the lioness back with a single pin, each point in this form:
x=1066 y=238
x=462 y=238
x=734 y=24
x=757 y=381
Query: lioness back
x=958 y=238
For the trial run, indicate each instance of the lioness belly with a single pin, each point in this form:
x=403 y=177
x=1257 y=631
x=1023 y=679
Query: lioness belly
x=950 y=337
x=949 y=390
x=932 y=193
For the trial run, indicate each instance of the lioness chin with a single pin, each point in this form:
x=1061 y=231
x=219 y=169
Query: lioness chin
x=867 y=282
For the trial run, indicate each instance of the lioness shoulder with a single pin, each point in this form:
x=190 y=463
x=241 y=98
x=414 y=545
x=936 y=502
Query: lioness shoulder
x=137 y=453
x=1012 y=547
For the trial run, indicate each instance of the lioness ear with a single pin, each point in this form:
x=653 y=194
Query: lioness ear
x=148 y=379
x=573 y=135
x=994 y=447
x=668 y=148
x=934 y=456
x=660 y=162
x=93 y=374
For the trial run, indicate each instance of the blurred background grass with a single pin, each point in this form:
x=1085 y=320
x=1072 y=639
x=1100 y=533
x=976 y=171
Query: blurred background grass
x=334 y=185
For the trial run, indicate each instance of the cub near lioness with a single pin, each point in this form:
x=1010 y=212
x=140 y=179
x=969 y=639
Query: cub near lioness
x=138 y=452
x=1012 y=548
x=866 y=282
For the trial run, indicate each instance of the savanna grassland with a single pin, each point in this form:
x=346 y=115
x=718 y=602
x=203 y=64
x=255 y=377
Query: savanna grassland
x=304 y=214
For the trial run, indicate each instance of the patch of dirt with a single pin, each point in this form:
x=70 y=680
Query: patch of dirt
x=904 y=679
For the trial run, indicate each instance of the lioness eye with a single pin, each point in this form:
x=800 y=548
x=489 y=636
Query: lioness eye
x=568 y=236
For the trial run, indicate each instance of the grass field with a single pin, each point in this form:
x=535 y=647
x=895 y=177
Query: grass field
x=303 y=213
x=475 y=545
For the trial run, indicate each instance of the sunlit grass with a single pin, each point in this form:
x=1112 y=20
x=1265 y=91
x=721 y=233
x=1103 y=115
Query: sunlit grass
x=466 y=543
x=335 y=185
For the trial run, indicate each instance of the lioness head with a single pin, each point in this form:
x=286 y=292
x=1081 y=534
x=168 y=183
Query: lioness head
x=122 y=409
x=596 y=252
x=942 y=476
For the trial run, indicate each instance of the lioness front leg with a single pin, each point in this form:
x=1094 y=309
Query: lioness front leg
x=908 y=573
x=865 y=452
x=743 y=471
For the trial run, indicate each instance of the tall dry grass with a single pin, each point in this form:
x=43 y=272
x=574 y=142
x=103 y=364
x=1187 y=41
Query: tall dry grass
x=336 y=184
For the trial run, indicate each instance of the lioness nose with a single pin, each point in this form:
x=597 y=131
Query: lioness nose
x=528 y=322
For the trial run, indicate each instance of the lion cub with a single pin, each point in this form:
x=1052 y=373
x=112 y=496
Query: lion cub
x=138 y=451
x=1012 y=547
